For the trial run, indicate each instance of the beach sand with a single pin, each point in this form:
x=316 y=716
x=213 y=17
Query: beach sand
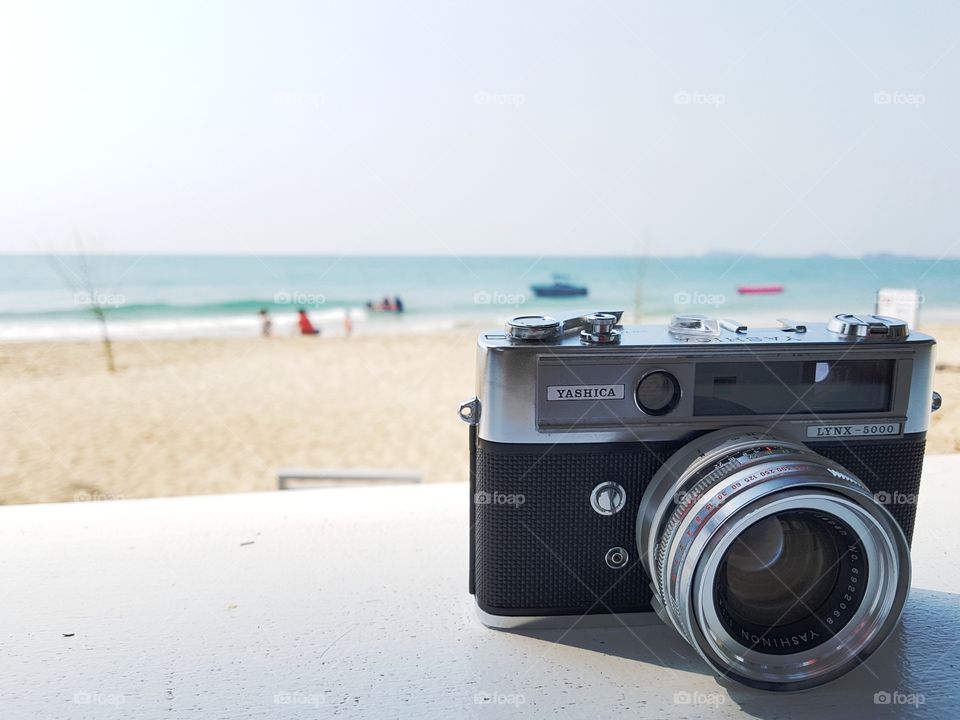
x=207 y=416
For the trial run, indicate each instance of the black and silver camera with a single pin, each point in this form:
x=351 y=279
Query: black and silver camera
x=754 y=488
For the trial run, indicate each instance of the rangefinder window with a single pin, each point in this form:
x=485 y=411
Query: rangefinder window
x=793 y=387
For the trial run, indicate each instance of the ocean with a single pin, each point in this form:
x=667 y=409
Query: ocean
x=48 y=298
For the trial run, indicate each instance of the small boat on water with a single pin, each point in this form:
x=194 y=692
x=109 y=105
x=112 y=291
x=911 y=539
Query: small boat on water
x=560 y=287
x=760 y=289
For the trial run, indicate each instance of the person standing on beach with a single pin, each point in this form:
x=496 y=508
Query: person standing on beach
x=266 y=324
x=306 y=327
x=347 y=323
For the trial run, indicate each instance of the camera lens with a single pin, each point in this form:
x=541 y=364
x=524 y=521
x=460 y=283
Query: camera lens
x=775 y=563
x=658 y=392
x=779 y=570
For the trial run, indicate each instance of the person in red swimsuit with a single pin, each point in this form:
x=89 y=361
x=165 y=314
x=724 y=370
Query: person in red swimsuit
x=306 y=327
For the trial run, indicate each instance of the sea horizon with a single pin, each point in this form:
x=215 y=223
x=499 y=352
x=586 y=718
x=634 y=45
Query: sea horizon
x=48 y=297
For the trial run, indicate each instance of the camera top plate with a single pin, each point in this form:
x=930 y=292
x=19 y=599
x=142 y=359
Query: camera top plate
x=587 y=383
x=687 y=330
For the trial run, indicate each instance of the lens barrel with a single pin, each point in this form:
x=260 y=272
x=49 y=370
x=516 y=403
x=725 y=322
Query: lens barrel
x=775 y=563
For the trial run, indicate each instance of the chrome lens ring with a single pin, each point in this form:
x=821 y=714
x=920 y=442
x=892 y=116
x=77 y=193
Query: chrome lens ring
x=716 y=487
x=880 y=601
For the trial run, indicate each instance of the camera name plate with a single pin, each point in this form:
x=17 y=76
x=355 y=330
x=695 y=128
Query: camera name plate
x=873 y=429
x=585 y=392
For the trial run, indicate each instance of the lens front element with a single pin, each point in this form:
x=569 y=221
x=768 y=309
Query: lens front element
x=781 y=578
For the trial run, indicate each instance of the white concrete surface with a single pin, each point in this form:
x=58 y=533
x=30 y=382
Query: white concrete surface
x=353 y=603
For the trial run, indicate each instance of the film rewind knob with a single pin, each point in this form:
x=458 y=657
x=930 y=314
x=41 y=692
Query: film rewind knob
x=534 y=327
x=595 y=328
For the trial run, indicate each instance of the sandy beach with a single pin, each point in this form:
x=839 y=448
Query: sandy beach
x=207 y=416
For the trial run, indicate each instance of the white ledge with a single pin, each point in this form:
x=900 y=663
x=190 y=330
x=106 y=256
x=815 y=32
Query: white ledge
x=354 y=601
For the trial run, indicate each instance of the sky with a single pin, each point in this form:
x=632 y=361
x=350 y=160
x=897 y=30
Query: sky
x=496 y=127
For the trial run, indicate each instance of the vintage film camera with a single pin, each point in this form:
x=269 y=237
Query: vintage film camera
x=755 y=488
